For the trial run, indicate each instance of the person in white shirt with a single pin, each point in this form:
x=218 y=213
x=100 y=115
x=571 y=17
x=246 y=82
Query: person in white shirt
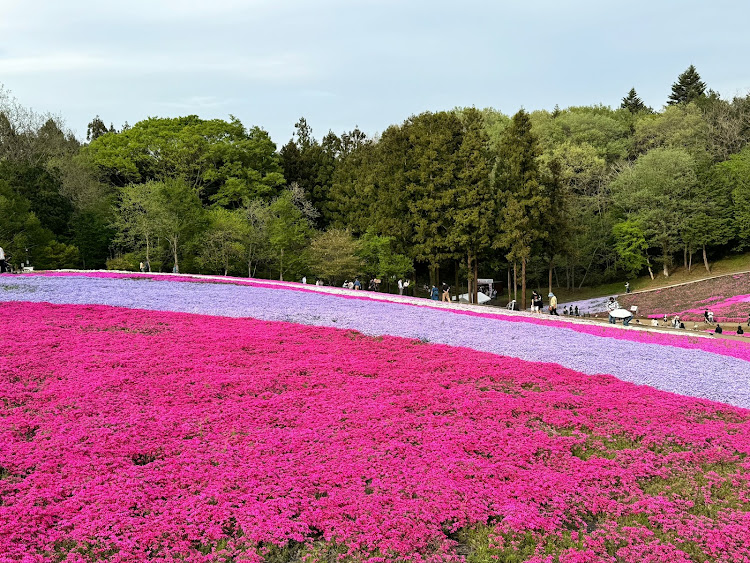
x=400 y=286
x=3 y=266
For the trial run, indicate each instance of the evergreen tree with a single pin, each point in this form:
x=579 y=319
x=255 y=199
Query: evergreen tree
x=310 y=164
x=688 y=88
x=473 y=210
x=522 y=197
x=633 y=103
x=96 y=129
x=431 y=166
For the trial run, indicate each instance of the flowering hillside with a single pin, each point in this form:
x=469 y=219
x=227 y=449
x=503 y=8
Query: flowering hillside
x=728 y=297
x=165 y=420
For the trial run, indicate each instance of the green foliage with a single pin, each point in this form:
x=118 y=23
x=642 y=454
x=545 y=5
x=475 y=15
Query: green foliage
x=734 y=176
x=221 y=160
x=223 y=243
x=431 y=165
x=688 y=88
x=42 y=191
x=334 y=256
x=57 y=255
x=657 y=193
x=680 y=126
x=127 y=262
x=288 y=232
x=522 y=201
x=633 y=103
x=311 y=165
x=380 y=259
x=631 y=247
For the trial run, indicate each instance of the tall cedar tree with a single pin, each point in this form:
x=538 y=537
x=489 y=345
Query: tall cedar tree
x=688 y=88
x=431 y=164
x=633 y=103
x=523 y=200
x=473 y=211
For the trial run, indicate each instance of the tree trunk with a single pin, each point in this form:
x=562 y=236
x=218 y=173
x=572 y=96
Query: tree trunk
x=685 y=257
x=508 y=283
x=650 y=271
x=515 y=283
x=549 y=280
x=476 y=284
x=690 y=261
x=523 y=283
x=281 y=266
x=148 y=252
x=705 y=260
x=469 y=290
x=174 y=248
x=457 y=291
x=665 y=256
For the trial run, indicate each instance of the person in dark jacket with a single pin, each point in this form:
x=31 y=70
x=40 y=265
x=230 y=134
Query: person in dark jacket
x=740 y=331
x=718 y=329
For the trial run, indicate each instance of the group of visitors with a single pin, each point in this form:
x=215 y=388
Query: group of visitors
x=356 y=284
x=444 y=294
x=402 y=285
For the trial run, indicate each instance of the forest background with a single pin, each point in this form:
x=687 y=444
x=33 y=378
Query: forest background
x=543 y=199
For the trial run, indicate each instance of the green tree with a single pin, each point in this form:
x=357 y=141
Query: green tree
x=333 y=256
x=288 y=231
x=311 y=165
x=688 y=88
x=176 y=213
x=734 y=175
x=657 y=192
x=522 y=198
x=221 y=160
x=679 y=126
x=96 y=129
x=255 y=237
x=633 y=103
x=710 y=220
x=380 y=258
x=223 y=241
x=473 y=210
x=632 y=248
x=430 y=171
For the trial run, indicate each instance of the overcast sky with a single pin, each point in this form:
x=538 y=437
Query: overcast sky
x=366 y=63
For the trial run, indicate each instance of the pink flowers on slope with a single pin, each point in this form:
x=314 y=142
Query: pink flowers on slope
x=134 y=435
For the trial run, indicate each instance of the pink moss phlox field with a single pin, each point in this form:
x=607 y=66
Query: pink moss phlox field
x=144 y=435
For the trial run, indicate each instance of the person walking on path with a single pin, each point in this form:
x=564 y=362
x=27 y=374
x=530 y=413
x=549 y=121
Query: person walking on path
x=434 y=294
x=3 y=265
x=552 y=304
x=627 y=287
x=446 y=296
x=400 y=286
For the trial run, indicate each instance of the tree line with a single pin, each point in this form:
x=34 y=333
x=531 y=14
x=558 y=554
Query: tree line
x=554 y=198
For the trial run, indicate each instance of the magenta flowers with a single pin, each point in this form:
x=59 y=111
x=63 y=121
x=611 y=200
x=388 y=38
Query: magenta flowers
x=130 y=433
x=133 y=435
